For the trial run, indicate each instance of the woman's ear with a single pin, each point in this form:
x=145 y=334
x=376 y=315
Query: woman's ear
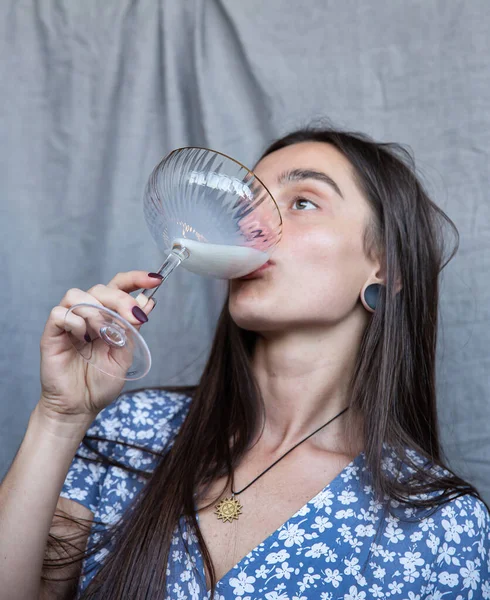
x=372 y=287
x=379 y=275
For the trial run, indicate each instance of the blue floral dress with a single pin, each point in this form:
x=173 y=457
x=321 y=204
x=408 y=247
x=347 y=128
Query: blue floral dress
x=339 y=545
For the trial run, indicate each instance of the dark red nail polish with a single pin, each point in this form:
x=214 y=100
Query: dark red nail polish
x=155 y=275
x=86 y=337
x=139 y=314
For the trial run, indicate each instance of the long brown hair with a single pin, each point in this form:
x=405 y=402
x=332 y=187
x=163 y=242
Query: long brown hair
x=393 y=385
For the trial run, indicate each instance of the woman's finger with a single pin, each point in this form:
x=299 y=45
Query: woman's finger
x=131 y=281
x=60 y=322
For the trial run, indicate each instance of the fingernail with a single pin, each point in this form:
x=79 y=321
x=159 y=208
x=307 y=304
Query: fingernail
x=139 y=314
x=86 y=337
x=155 y=275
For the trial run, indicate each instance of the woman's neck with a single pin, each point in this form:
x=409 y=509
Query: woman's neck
x=304 y=378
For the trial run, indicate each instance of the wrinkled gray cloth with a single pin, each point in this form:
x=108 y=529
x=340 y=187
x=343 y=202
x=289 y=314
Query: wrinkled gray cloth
x=94 y=93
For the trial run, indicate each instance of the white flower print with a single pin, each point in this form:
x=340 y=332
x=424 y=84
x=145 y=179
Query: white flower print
x=347 y=497
x=334 y=577
x=261 y=572
x=433 y=542
x=78 y=494
x=365 y=530
x=135 y=457
x=479 y=513
x=449 y=579
x=410 y=560
x=348 y=513
x=410 y=575
x=446 y=554
x=242 y=583
x=387 y=463
x=322 y=524
x=122 y=490
x=304 y=510
x=453 y=529
x=323 y=500
x=352 y=567
x=394 y=534
x=416 y=536
x=112 y=427
x=349 y=472
x=145 y=434
x=292 y=534
x=276 y=596
x=470 y=575
x=448 y=511
x=379 y=572
x=376 y=591
x=284 y=571
x=395 y=587
x=345 y=532
x=353 y=594
x=142 y=417
x=124 y=406
x=330 y=556
x=427 y=573
x=308 y=579
x=275 y=557
x=427 y=524
x=194 y=589
x=469 y=528
x=317 y=550
x=179 y=593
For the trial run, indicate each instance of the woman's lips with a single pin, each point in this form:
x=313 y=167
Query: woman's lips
x=255 y=273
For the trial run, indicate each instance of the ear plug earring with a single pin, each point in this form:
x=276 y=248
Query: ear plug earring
x=371 y=294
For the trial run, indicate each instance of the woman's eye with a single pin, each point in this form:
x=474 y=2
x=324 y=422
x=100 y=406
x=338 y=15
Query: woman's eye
x=302 y=201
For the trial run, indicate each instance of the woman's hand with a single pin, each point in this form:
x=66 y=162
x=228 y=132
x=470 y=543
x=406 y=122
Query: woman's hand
x=71 y=388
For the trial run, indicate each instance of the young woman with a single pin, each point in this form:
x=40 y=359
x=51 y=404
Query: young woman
x=306 y=462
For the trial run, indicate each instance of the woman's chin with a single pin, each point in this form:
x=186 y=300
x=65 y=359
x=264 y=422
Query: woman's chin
x=254 y=322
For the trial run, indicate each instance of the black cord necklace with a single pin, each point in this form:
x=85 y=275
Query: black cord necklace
x=230 y=508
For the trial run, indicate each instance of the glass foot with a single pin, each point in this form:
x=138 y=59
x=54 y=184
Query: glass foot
x=108 y=342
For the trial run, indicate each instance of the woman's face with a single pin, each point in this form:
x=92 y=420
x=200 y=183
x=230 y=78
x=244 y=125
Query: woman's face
x=319 y=267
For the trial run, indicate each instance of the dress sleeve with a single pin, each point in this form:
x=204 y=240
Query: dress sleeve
x=86 y=473
x=461 y=568
x=148 y=419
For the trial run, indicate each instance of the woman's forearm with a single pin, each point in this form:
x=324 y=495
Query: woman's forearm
x=28 y=498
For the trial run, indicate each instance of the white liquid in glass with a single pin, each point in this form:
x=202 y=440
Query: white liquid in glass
x=221 y=260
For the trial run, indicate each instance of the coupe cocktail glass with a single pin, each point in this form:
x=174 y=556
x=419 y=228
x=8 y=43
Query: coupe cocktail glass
x=206 y=212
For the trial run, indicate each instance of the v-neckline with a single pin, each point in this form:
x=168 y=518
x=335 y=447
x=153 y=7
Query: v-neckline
x=331 y=484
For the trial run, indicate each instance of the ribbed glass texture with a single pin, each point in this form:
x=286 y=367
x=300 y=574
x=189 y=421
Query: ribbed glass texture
x=202 y=195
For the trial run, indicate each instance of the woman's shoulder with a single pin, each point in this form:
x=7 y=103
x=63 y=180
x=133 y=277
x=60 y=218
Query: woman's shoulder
x=458 y=539
x=449 y=511
x=461 y=520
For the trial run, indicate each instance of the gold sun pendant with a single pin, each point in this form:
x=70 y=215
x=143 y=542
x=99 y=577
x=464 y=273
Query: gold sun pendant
x=228 y=509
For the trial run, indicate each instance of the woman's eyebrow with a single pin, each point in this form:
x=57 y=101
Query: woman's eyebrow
x=301 y=174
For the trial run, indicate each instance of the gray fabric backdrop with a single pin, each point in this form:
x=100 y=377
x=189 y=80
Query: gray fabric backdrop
x=94 y=93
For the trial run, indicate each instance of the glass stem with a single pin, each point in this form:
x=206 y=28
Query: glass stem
x=174 y=259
